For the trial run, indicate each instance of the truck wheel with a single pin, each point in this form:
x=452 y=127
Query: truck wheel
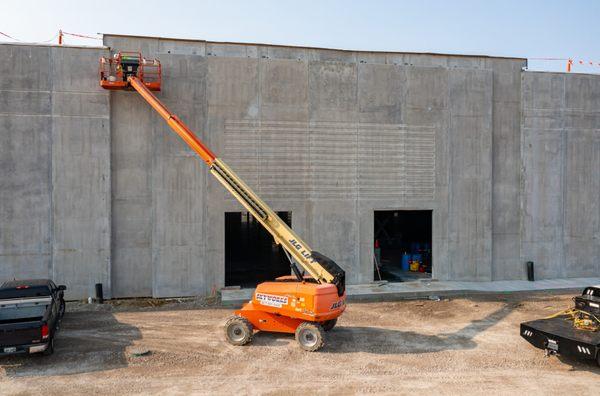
x=329 y=324
x=310 y=336
x=238 y=330
x=50 y=350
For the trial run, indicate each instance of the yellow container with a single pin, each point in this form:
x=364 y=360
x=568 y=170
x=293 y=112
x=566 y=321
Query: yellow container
x=414 y=265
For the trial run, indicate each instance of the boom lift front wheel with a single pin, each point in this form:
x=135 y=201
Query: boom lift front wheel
x=238 y=330
x=310 y=336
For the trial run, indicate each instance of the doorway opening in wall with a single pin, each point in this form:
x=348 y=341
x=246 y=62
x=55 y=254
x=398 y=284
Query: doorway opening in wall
x=402 y=245
x=251 y=255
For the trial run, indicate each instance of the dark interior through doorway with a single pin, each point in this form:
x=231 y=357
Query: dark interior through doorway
x=251 y=255
x=402 y=245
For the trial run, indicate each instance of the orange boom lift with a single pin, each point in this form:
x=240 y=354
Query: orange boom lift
x=307 y=304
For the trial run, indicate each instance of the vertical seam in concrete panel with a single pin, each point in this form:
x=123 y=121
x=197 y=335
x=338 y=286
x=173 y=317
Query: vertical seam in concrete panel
x=309 y=177
x=109 y=200
x=204 y=135
x=490 y=274
x=50 y=160
x=492 y=179
x=111 y=242
x=153 y=206
x=522 y=171
x=449 y=262
x=563 y=184
x=356 y=235
x=260 y=131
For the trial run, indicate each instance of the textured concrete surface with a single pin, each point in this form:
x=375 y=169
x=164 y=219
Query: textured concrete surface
x=98 y=189
x=561 y=174
x=55 y=161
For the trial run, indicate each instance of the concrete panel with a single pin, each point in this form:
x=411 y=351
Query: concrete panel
x=381 y=93
x=334 y=232
x=561 y=164
x=275 y=52
x=80 y=104
x=543 y=203
x=470 y=139
x=284 y=90
x=178 y=196
x=76 y=70
x=25 y=103
x=582 y=206
x=132 y=214
x=25 y=162
x=81 y=203
x=80 y=173
x=506 y=170
x=25 y=67
x=147 y=46
x=326 y=55
x=333 y=91
x=178 y=47
x=231 y=50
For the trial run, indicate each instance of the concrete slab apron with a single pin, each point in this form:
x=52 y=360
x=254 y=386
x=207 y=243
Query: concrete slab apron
x=408 y=290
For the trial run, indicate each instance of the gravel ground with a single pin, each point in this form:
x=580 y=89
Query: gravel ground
x=466 y=345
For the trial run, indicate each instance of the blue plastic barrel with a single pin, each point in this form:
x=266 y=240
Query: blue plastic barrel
x=406 y=261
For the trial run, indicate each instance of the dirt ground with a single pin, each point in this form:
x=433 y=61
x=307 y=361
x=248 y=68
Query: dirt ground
x=465 y=345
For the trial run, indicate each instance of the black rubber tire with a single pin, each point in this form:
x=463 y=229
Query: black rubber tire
x=329 y=324
x=310 y=336
x=238 y=330
x=598 y=359
x=50 y=350
x=62 y=308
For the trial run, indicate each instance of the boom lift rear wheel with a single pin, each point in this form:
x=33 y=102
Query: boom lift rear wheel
x=310 y=336
x=238 y=330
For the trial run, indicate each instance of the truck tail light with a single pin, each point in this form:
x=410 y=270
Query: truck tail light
x=45 y=332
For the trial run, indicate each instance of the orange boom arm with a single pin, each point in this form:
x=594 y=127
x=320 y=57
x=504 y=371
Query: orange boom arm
x=174 y=122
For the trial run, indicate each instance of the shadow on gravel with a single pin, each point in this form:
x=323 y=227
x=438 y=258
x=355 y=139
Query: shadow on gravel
x=389 y=341
x=578 y=365
x=86 y=342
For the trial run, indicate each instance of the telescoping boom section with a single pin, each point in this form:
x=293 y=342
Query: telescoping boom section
x=283 y=305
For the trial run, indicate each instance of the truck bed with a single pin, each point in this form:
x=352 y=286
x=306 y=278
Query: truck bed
x=21 y=321
x=568 y=340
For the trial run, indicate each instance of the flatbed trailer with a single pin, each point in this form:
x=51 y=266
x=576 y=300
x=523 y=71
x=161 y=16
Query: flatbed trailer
x=559 y=335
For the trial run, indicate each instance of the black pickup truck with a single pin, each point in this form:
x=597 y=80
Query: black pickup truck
x=30 y=312
x=559 y=335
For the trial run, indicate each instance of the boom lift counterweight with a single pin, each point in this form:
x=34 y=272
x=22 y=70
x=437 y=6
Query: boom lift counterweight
x=305 y=305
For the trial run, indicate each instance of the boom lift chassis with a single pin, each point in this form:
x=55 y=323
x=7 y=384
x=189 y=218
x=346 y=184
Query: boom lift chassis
x=304 y=304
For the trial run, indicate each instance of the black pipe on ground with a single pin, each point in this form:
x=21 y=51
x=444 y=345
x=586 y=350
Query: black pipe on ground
x=530 y=274
x=99 y=293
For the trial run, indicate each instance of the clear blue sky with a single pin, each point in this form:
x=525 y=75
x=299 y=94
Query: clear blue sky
x=525 y=28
